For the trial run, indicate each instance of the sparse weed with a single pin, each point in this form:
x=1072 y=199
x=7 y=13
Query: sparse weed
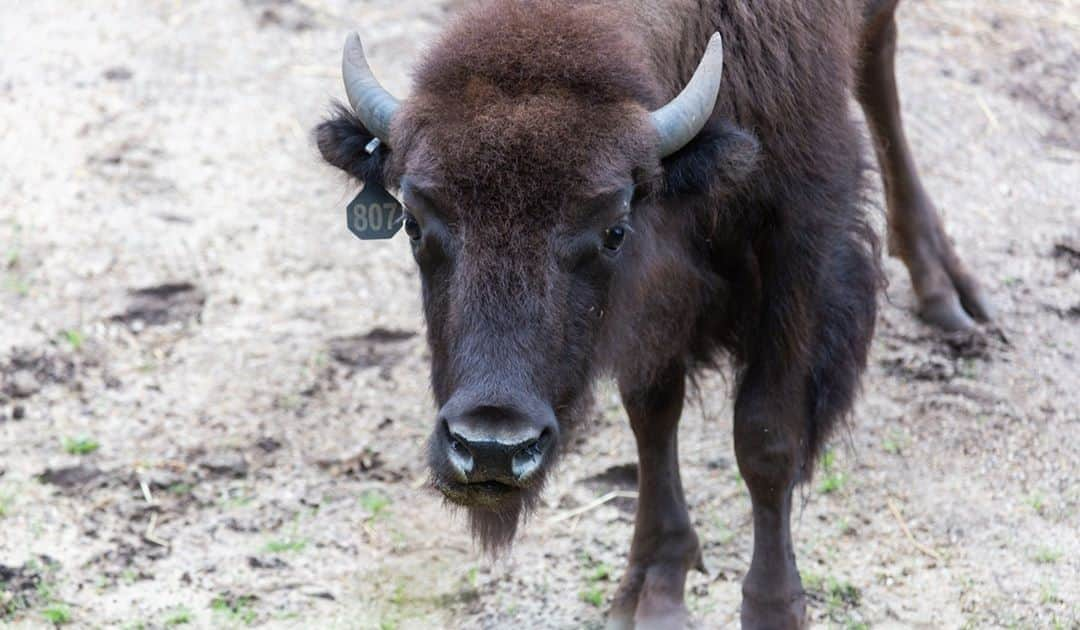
x=833 y=480
x=1048 y=595
x=177 y=617
x=74 y=338
x=374 y=503
x=81 y=445
x=236 y=609
x=1047 y=556
x=593 y=596
x=56 y=614
x=286 y=545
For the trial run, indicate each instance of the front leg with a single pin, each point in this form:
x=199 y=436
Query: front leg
x=769 y=447
x=665 y=546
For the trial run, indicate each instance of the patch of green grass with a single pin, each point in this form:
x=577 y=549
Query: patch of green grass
x=1048 y=594
x=593 y=596
x=841 y=594
x=600 y=572
x=177 y=617
x=74 y=338
x=286 y=545
x=838 y=595
x=832 y=480
x=1047 y=556
x=595 y=573
x=56 y=614
x=374 y=503
x=236 y=609
x=81 y=445
x=18 y=285
x=894 y=443
x=6 y=501
x=1037 y=502
x=180 y=488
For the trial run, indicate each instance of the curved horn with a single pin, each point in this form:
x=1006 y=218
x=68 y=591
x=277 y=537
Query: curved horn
x=680 y=120
x=372 y=103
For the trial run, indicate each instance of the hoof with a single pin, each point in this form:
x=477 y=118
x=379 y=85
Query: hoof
x=784 y=614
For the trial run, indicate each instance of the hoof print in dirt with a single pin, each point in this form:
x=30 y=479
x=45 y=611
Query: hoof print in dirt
x=367 y=463
x=286 y=14
x=225 y=464
x=27 y=371
x=26 y=586
x=1067 y=249
x=619 y=477
x=379 y=347
x=941 y=356
x=162 y=304
x=71 y=477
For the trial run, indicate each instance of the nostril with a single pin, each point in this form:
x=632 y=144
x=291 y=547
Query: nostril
x=527 y=459
x=459 y=455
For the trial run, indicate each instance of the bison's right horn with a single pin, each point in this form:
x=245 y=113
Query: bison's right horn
x=372 y=103
x=680 y=120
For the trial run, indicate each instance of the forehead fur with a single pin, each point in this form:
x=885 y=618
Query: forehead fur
x=524 y=104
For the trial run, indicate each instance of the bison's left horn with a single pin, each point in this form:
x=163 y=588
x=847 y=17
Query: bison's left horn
x=372 y=103
x=680 y=120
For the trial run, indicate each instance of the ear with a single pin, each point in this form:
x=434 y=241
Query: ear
x=343 y=139
x=718 y=159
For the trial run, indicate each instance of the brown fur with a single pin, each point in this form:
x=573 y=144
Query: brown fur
x=751 y=243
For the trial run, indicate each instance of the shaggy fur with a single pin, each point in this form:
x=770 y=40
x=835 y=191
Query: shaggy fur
x=750 y=243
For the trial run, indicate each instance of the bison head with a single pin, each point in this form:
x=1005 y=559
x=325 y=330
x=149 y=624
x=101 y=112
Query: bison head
x=534 y=173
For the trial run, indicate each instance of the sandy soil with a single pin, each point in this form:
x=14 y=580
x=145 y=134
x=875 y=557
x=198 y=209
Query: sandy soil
x=214 y=397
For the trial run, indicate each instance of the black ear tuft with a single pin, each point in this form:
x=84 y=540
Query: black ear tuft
x=342 y=140
x=719 y=158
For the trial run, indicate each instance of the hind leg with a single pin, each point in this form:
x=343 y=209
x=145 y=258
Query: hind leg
x=949 y=295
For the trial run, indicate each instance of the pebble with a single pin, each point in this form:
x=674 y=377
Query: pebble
x=228 y=463
x=23 y=384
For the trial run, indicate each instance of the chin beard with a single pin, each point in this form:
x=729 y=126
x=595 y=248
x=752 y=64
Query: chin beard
x=494 y=528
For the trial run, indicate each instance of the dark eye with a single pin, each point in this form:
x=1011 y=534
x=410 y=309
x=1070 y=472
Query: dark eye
x=412 y=228
x=614 y=237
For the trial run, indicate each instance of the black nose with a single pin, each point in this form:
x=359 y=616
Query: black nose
x=504 y=443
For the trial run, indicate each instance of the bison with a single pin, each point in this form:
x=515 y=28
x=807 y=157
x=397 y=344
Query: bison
x=643 y=190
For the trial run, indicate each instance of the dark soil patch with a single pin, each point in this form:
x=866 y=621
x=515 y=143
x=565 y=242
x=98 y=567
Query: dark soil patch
x=162 y=304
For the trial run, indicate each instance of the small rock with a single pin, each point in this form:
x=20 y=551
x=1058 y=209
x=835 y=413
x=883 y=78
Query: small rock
x=228 y=463
x=313 y=592
x=23 y=384
x=267 y=563
x=163 y=478
x=18 y=412
x=268 y=444
x=117 y=73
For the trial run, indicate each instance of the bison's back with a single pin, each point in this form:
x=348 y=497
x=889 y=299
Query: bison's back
x=788 y=66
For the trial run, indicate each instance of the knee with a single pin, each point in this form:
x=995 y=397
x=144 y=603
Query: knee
x=769 y=455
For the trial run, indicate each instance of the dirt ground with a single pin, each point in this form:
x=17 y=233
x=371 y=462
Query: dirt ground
x=213 y=399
